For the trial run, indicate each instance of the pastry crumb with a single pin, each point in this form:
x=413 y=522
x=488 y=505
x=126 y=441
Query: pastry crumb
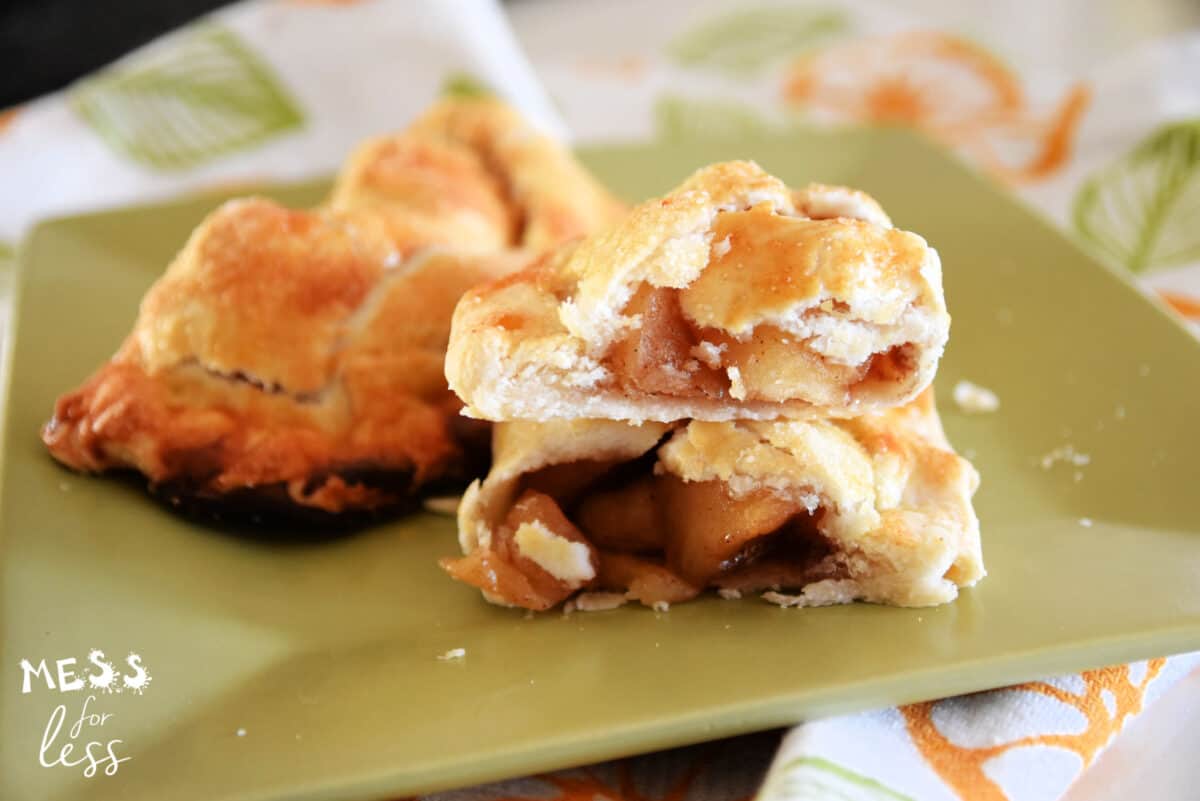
x=660 y=606
x=569 y=562
x=1086 y=522
x=452 y=655
x=599 y=601
x=1065 y=454
x=780 y=599
x=445 y=505
x=974 y=399
x=241 y=732
x=709 y=353
x=729 y=595
x=737 y=387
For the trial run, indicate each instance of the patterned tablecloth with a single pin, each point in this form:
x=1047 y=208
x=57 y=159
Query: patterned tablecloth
x=1090 y=111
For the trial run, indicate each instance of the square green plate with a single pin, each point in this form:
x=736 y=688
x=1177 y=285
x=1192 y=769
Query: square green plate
x=311 y=671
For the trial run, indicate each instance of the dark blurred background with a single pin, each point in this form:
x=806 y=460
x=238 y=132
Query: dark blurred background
x=46 y=44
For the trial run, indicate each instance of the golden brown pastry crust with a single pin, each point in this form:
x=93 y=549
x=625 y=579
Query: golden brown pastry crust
x=278 y=351
x=753 y=300
x=292 y=361
x=473 y=175
x=889 y=499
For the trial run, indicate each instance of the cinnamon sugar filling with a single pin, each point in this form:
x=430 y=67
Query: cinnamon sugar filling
x=647 y=534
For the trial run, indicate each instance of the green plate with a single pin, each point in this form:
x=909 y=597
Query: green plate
x=312 y=671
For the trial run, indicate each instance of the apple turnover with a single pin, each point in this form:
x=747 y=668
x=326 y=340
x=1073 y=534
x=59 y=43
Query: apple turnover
x=290 y=363
x=733 y=297
x=814 y=512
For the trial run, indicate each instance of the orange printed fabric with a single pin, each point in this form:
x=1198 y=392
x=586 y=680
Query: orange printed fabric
x=947 y=87
x=722 y=770
x=1020 y=743
x=1028 y=742
x=1186 y=306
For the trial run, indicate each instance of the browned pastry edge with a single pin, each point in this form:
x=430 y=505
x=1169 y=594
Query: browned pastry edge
x=381 y=410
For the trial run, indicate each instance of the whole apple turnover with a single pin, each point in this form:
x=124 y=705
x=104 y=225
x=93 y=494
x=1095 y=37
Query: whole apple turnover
x=290 y=363
x=814 y=512
x=732 y=297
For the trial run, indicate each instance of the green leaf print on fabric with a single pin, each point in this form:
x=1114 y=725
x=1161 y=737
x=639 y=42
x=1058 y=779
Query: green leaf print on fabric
x=810 y=778
x=743 y=42
x=462 y=84
x=677 y=118
x=1144 y=209
x=202 y=96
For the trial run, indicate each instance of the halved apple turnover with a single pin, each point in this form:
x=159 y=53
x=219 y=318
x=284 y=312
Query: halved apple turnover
x=732 y=297
x=876 y=508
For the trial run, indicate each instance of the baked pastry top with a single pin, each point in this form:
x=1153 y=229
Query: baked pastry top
x=280 y=354
x=875 y=508
x=471 y=174
x=291 y=362
x=731 y=297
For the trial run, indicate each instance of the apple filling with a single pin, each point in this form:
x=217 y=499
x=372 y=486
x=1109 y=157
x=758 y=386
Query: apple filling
x=668 y=354
x=632 y=529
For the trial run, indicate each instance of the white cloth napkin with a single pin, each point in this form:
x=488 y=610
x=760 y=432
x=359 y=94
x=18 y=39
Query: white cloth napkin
x=266 y=91
x=263 y=91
